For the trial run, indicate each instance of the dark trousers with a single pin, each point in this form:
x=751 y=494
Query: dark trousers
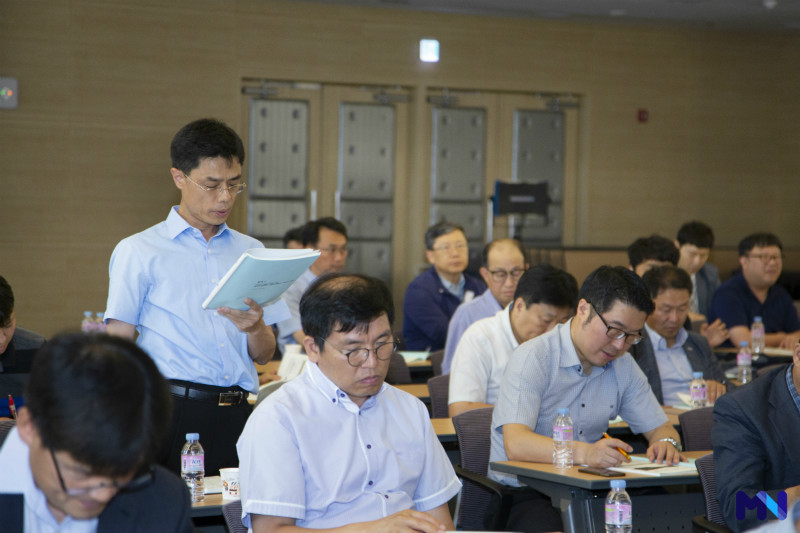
x=533 y=512
x=219 y=428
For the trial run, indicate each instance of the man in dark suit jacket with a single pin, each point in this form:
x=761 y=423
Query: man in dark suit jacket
x=755 y=433
x=668 y=354
x=96 y=411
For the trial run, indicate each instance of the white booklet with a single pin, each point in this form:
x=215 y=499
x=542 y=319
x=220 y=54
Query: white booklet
x=262 y=274
x=642 y=465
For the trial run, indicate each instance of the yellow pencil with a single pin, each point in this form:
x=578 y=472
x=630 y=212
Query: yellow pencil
x=620 y=450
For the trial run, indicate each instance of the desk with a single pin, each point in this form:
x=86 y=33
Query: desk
x=420 y=390
x=212 y=506
x=444 y=429
x=420 y=371
x=581 y=497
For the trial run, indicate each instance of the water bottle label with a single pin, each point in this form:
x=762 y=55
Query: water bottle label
x=619 y=514
x=192 y=463
x=698 y=393
x=562 y=433
x=743 y=359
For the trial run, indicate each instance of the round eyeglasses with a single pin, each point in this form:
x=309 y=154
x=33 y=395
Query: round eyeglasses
x=358 y=356
x=616 y=333
x=500 y=275
x=134 y=484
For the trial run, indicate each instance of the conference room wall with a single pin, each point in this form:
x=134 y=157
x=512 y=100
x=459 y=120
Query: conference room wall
x=104 y=85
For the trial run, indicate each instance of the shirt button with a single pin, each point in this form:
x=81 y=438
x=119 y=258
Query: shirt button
x=369 y=446
x=370 y=483
x=333 y=400
x=341 y=395
x=386 y=496
x=227 y=376
x=222 y=345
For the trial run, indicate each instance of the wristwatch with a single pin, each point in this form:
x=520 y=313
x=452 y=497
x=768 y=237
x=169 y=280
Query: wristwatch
x=673 y=442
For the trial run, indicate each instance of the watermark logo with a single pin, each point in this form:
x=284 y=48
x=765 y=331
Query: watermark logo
x=761 y=502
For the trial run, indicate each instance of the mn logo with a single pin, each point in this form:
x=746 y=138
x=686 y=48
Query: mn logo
x=761 y=502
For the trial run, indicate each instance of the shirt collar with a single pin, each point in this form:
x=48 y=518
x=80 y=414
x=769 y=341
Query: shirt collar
x=660 y=343
x=505 y=320
x=336 y=395
x=456 y=289
x=176 y=225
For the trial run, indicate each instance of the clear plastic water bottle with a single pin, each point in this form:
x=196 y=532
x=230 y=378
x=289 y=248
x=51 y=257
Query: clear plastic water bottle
x=562 y=439
x=619 y=509
x=99 y=324
x=744 y=364
x=757 y=337
x=87 y=324
x=698 y=391
x=193 y=467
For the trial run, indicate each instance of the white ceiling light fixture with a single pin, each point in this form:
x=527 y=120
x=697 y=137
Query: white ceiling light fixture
x=429 y=50
x=770 y=4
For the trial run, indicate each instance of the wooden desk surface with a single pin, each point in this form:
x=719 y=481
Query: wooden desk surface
x=443 y=427
x=420 y=390
x=425 y=363
x=212 y=506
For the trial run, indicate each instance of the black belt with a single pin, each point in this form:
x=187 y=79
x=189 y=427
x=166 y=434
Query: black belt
x=224 y=399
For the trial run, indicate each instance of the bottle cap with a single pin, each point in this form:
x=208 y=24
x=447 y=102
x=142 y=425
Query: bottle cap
x=618 y=484
x=757 y=319
x=697 y=375
x=743 y=344
x=193 y=436
x=87 y=314
x=563 y=411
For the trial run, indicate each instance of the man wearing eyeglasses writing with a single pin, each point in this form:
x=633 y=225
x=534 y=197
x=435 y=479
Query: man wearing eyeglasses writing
x=96 y=409
x=158 y=279
x=753 y=292
x=337 y=448
x=583 y=365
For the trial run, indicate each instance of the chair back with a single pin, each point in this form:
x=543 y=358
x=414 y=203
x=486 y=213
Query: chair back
x=473 y=429
x=708 y=480
x=696 y=428
x=439 y=390
x=436 y=359
x=5 y=428
x=233 y=516
x=398 y=373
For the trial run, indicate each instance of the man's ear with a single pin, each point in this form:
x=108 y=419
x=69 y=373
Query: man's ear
x=429 y=256
x=312 y=350
x=25 y=426
x=177 y=177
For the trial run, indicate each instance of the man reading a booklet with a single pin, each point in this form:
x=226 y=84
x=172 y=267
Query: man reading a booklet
x=158 y=280
x=582 y=365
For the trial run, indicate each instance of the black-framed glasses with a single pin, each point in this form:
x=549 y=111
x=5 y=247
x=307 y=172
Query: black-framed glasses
x=767 y=258
x=500 y=275
x=233 y=189
x=134 y=484
x=616 y=333
x=358 y=357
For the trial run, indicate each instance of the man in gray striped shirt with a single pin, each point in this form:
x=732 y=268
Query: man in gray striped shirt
x=582 y=365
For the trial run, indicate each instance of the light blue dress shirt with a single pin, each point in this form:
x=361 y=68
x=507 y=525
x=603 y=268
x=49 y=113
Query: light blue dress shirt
x=673 y=365
x=309 y=453
x=158 y=280
x=291 y=298
x=16 y=477
x=545 y=374
x=467 y=314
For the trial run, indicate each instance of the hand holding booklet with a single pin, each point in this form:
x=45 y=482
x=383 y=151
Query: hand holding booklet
x=262 y=274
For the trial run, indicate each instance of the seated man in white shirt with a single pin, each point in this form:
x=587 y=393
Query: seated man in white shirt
x=668 y=354
x=545 y=296
x=337 y=448
x=504 y=261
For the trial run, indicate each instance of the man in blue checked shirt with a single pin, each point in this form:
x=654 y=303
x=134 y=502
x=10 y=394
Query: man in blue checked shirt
x=337 y=447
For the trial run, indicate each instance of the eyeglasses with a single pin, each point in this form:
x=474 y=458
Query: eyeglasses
x=233 y=189
x=499 y=276
x=358 y=357
x=334 y=250
x=616 y=333
x=767 y=258
x=448 y=247
x=134 y=484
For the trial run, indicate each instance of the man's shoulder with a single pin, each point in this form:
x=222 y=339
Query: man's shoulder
x=25 y=339
x=709 y=271
x=698 y=341
x=474 y=283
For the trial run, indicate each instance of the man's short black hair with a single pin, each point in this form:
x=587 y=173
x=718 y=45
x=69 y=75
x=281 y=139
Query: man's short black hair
x=206 y=138
x=696 y=233
x=343 y=302
x=513 y=242
x=101 y=399
x=439 y=229
x=758 y=239
x=6 y=303
x=311 y=229
x=661 y=278
x=294 y=234
x=608 y=285
x=652 y=247
x=546 y=284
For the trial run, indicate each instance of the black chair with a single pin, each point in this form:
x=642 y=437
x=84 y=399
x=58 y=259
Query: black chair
x=398 y=373
x=485 y=504
x=439 y=391
x=696 y=429
x=436 y=359
x=233 y=517
x=712 y=522
x=5 y=428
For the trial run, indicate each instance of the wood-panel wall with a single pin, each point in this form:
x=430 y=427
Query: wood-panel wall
x=104 y=85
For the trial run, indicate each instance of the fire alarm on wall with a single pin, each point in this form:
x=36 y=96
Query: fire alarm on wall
x=643 y=115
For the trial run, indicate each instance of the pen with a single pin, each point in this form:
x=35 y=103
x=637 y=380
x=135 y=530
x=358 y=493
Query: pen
x=12 y=407
x=620 y=450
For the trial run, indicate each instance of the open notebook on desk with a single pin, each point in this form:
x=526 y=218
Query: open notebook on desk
x=642 y=465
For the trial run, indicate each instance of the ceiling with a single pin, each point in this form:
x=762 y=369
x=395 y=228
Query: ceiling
x=774 y=16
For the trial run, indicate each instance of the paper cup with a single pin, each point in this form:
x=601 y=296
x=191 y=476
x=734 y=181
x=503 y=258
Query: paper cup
x=230 y=483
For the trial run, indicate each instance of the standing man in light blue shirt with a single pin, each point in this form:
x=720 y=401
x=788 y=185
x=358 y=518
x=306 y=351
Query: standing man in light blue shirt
x=337 y=448
x=668 y=354
x=504 y=262
x=158 y=280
